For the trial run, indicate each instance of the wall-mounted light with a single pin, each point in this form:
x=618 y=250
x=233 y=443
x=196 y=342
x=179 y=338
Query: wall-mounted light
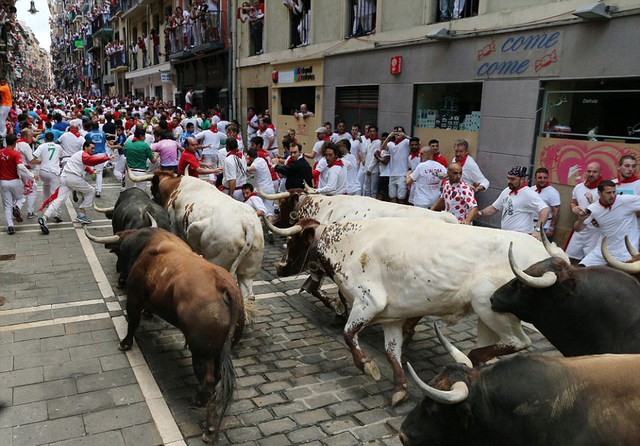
x=594 y=11
x=440 y=34
x=317 y=95
x=33 y=9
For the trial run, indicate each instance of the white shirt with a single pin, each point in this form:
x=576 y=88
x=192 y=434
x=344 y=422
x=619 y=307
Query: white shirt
x=518 y=209
x=235 y=168
x=316 y=150
x=616 y=222
x=186 y=121
x=427 y=178
x=267 y=135
x=222 y=125
x=251 y=131
x=258 y=205
x=49 y=154
x=385 y=169
x=399 y=157
x=340 y=136
x=585 y=196
x=25 y=152
x=355 y=147
x=551 y=196
x=211 y=139
x=263 y=175
x=413 y=162
x=371 y=162
x=337 y=181
x=471 y=173
x=349 y=161
x=322 y=167
x=70 y=144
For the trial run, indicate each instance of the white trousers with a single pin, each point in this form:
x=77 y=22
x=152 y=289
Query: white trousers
x=136 y=173
x=69 y=183
x=211 y=158
x=119 y=167
x=4 y=112
x=50 y=182
x=11 y=191
x=99 y=168
x=371 y=185
x=29 y=194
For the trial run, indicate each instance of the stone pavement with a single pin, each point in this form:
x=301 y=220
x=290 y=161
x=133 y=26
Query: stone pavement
x=65 y=382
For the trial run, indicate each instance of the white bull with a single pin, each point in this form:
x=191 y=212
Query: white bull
x=224 y=231
x=390 y=275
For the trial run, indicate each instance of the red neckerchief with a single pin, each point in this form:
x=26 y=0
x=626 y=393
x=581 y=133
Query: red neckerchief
x=463 y=160
x=236 y=153
x=75 y=132
x=212 y=130
x=606 y=206
x=600 y=180
x=326 y=138
x=627 y=180
x=21 y=140
x=136 y=139
x=415 y=155
x=238 y=138
x=342 y=133
x=270 y=126
x=336 y=162
x=515 y=192
x=539 y=189
x=252 y=194
x=374 y=139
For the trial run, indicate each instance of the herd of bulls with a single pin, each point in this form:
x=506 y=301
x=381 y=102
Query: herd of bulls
x=393 y=265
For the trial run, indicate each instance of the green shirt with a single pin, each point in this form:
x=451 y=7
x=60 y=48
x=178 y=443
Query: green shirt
x=137 y=153
x=206 y=124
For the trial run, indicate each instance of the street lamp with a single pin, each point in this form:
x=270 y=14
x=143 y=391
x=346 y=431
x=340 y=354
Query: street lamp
x=33 y=9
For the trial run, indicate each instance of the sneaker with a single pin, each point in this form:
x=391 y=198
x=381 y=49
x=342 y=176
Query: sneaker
x=270 y=237
x=16 y=214
x=82 y=218
x=31 y=215
x=97 y=194
x=75 y=197
x=43 y=225
x=57 y=218
x=11 y=230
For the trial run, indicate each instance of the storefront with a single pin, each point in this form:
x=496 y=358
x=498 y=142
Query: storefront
x=533 y=97
x=152 y=81
x=294 y=84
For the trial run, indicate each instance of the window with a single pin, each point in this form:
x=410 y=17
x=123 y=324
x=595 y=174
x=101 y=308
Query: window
x=448 y=106
x=357 y=105
x=291 y=98
x=300 y=21
x=363 y=18
x=592 y=110
x=456 y=9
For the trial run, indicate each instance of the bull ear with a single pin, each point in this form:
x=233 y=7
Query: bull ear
x=309 y=234
x=155 y=180
x=466 y=416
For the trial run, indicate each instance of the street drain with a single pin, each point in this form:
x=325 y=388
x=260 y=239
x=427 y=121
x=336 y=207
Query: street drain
x=7 y=257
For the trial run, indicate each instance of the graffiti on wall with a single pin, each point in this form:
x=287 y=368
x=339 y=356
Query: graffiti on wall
x=567 y=159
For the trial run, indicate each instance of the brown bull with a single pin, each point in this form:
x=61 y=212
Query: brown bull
x=166 y=277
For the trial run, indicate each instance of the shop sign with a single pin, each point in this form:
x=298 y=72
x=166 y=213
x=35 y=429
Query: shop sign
x=522 y=55
x=298 y=74
x=165 y=77
x=396 y=65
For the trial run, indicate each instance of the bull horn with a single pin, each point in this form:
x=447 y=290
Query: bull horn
x=293 y=215
x=547 y=279
x=102 y=240
x=102 y=210
x=545 y=241
x=309 y=190
x=629 y=268
x=458 y=393
x=154 y=223
x=456 y=354
x=630 y=247
x=293 y=230
x=273 y=197
x=139 y=179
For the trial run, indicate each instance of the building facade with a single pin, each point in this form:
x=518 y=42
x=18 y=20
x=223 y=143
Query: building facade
x=532 y=82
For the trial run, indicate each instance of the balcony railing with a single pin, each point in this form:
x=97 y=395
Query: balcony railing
x=363 y=18
x=203 y=35
x=118 y=60
x=454 y=10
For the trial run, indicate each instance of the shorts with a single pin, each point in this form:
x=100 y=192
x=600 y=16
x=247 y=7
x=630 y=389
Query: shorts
x=383 y=185
x=398 y=187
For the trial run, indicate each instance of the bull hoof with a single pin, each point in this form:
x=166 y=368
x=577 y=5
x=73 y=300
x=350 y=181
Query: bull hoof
x=399 y=396
x=123 y=348
x=147 y=314
x=251 y=297
x=198 y=401
x=371 y=369
x=207 y=438
x=338 y=307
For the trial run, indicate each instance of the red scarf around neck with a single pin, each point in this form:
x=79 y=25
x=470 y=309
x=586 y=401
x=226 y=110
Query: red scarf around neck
x=75 y=132
x=252 y=194
x=606 y=206
x=595 y=186
x=21 y=140
x=633 y=178
x=539 y=188
x=463 y=160
x=415 y=155
x=336 y=162
x=515 y=192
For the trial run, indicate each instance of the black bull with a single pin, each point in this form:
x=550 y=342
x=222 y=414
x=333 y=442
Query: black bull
x=531 y=401
x=201 y=299
x=581 y=311
x=132 y=211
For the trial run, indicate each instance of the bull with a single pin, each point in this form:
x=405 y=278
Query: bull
x=389 y=278
x=132 y=211
x=202 y=300
x=581 y=311
x=530 y=400
x=224 y=231
x=301 y=203
x=631 y=266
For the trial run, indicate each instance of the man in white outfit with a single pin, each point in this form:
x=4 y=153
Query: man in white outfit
x=11 y=188
x=48 y=155
x=372 y=166
x=30 y=193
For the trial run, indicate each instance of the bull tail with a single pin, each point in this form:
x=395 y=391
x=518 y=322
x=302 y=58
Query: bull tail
x=250 y=235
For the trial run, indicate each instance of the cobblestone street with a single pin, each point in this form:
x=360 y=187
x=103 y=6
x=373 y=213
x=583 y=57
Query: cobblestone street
x=65 y=383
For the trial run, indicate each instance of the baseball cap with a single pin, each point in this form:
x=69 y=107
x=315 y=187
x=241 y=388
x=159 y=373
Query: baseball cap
x=321 y=130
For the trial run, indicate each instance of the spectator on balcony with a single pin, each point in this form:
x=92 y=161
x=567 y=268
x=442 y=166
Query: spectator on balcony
x=155 y=38
x=244 y=12
x=256 y=24
x=363 y=15
x=134 y=54
x=451 y=9
x=303 y=113
x=142 y=46
x=5 y=107
x=188 y=98
x=212 y=19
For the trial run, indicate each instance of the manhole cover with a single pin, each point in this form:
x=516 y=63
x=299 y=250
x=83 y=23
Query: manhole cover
x=7 y=257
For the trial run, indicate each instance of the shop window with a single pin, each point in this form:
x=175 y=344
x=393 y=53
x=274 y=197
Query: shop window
x=456 y=9
x=357 y=105
x=592 y=114
x=362 y=18
x=300 y=22
x=448 y=106
x=291 y=98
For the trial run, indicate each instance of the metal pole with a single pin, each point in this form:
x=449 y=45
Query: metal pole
x=230 y=61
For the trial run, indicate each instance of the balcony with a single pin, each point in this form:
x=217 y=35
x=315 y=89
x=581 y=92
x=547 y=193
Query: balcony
x=129 y=7
x=88 y=43
x=100 y=29
x=202 y=38
x=118 y=62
